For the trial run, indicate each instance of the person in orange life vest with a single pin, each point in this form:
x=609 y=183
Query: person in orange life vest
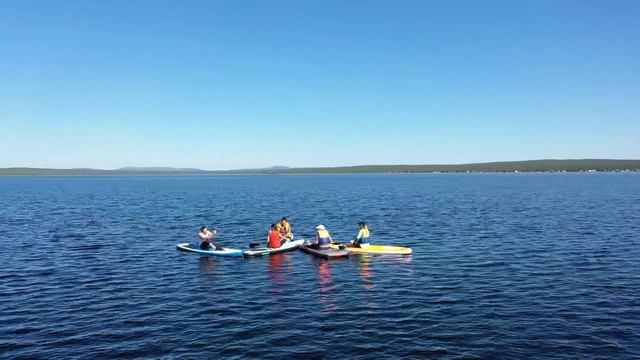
x=323 y=238
x=274 y=239
x=285 y=228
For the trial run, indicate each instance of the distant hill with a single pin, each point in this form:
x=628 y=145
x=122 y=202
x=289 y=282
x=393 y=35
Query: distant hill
x=505 y=166
x=272 y=168
x=157 y=168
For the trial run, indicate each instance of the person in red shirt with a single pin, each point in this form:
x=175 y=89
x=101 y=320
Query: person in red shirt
x=274 y=239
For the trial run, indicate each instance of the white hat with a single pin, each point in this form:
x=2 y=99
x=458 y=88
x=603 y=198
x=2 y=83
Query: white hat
x=320 y=227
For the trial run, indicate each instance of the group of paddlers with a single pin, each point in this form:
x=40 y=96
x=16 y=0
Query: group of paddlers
x=280 y=233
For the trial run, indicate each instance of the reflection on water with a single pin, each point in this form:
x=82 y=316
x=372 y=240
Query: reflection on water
x=404 y=264
x=326 y=286
x=512 y=266
x=207 y=265
x=363 y=263
x=364 y=269
x=276 y=271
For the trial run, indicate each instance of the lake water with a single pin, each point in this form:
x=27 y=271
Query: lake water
x=504 y=266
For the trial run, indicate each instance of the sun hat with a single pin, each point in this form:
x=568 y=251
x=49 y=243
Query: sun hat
x=320 y=227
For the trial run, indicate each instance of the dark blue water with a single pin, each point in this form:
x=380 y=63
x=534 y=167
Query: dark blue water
x=504 y=266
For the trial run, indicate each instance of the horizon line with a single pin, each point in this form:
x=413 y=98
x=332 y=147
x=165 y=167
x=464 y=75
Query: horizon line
x=286 y=167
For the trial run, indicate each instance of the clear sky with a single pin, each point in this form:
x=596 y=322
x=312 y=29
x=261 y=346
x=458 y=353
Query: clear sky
x=237 y=84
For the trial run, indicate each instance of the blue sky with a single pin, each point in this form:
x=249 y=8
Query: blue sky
x=237 y=84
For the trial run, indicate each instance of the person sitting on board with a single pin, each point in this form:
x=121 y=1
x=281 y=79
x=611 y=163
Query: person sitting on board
x=205 y=235
x=285 y=229
x=274 y=239
x=362 y=239
x=323 y=238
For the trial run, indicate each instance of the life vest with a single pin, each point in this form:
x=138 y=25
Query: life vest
x=363 y=235
x=284 y=229
x=274 y=239
x=323 y=238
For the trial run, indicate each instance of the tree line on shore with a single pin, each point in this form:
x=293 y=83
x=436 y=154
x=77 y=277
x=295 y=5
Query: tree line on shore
x=582 y=165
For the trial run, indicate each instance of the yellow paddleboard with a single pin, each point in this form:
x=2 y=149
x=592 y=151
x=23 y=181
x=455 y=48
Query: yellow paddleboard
x=376 y=249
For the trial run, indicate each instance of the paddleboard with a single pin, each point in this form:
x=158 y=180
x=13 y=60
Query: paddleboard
x=325 y=254
x=376 y=249
x=196 y=249
x=287 y=246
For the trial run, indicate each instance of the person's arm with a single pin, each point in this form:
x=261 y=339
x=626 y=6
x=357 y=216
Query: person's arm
x=356 y=241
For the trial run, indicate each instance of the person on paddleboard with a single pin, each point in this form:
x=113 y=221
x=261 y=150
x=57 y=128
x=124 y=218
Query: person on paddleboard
x=285 y=228
x=362 y=239
x=275 y=238
x=205 y=236
x=323 y=238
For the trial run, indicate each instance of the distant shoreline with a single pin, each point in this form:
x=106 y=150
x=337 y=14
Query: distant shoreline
x=529 y=166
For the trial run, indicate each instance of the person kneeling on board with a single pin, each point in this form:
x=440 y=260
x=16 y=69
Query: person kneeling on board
x=323 y=238
x=285 y=228
x=274 y=239
x=205 y=236
x=362 y=239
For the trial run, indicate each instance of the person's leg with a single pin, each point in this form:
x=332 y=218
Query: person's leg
x=216 y=246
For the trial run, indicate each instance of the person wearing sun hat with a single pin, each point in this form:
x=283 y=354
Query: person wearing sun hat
x=323 y=238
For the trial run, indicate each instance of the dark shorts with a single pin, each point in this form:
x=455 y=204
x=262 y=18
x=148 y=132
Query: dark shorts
x=358 y=242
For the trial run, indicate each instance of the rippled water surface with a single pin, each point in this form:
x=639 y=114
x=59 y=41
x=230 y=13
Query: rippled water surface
x=504 y=266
